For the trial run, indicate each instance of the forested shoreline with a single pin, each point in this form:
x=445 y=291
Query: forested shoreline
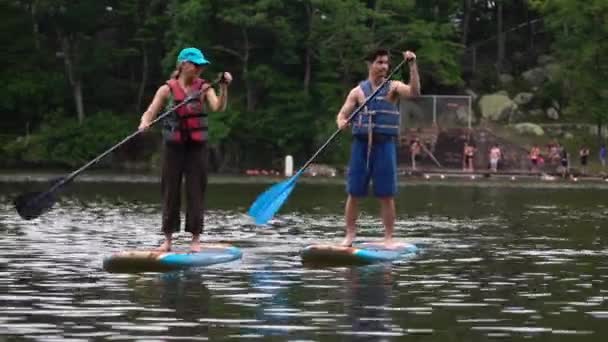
x=78 y=74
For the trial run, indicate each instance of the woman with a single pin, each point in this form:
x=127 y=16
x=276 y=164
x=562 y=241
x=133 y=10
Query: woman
x=185 y=142
x=534 y=157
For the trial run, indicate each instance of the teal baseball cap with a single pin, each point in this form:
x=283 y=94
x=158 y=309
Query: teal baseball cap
x=192 y=55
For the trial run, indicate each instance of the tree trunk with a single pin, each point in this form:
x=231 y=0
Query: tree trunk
x=377 y=5
x=248 y=83
x=77 y=92
x=501 y=37
x=69 y=59
x=466 y=22
x=308 y=53
x=144 y=78
x=529 y=29
x=35 y=26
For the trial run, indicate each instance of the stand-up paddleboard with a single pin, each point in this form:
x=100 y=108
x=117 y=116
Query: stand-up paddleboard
x=359 y=254
x=154 y=261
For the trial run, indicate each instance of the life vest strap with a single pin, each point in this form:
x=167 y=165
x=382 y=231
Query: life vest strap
x=193 y=115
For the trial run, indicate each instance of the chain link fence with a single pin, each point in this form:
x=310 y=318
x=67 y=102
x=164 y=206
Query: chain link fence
x=445 y=111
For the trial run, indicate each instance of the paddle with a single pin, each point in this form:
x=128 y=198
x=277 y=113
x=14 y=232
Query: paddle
x=33 y=204
x=269 y=202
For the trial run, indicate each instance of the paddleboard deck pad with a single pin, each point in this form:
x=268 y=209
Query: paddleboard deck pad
x=154 y=261
x=358 y=254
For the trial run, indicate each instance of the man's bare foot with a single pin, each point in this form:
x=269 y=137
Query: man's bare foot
x=195 y=246
x=347 y=242
x=390 y=244
x=165 y=247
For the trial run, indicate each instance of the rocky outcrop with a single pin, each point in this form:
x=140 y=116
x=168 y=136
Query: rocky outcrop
x=535 y=76
x=496 y=107
x=529 y=128
x=552 y=113
x=523 y=98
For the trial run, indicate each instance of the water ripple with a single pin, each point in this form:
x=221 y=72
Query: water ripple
x=493 y=264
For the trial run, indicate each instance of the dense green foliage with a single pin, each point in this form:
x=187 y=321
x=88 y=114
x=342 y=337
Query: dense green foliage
x=293 y=63
x=580 y=31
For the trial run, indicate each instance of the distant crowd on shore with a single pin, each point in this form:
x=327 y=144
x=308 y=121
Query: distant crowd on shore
x=555 y=159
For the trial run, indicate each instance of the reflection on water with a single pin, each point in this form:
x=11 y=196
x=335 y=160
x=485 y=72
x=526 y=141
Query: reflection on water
x=495 y=263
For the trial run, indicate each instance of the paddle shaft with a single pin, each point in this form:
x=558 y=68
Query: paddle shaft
x=333 y=136
x=73 y=175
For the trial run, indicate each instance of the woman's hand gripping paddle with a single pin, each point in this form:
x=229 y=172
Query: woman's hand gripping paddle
x=270 y=201
x=33 y=204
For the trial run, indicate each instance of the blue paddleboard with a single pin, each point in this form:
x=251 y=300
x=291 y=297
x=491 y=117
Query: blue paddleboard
x=154 y=261
x=359 y=254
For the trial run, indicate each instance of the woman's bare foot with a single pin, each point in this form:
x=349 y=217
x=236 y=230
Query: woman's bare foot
x=165 y=247
x=348 y=241
x=195 y=245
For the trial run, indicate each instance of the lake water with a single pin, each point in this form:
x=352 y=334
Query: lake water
x=497 y=262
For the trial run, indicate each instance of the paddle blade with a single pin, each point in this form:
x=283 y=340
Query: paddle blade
x=269 y=202
x=33 y=204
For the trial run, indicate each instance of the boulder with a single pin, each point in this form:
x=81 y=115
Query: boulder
x=462 y=114
x=535 y=77
x=552 y=71
x=517 y=116
x=496 y=107
x=472 y=94
x=537 y=113
x=523 y=98
x=529 y=128
x=505 y=79
x=552 y=113
x=545 y=59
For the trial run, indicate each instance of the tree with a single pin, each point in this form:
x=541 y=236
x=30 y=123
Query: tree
x=580 y=32
x=75 y=25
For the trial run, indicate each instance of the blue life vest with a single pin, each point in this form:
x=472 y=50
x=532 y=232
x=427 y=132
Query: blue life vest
x=379 y=113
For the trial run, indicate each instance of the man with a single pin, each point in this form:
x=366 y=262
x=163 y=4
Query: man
x=495 y=157
x=375 y=130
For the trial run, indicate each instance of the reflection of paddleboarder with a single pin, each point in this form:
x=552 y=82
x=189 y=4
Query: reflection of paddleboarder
x=368 y=293
x=181 y=291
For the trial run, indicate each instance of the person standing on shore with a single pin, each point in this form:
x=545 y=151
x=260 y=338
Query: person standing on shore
x=535 y=158
x=415 y=152
x=468 y=155
x=495 y=157
x=375 y=130
x=185 y=142
x=584 y=157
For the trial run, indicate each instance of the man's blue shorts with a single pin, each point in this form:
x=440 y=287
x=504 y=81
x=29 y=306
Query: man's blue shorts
x=382 y=169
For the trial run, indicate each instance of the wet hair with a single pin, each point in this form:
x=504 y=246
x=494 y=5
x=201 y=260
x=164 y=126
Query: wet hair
x=371 y=57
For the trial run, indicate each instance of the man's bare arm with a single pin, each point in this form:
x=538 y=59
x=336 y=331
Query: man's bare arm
x=347 y=108
x=412 y=89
